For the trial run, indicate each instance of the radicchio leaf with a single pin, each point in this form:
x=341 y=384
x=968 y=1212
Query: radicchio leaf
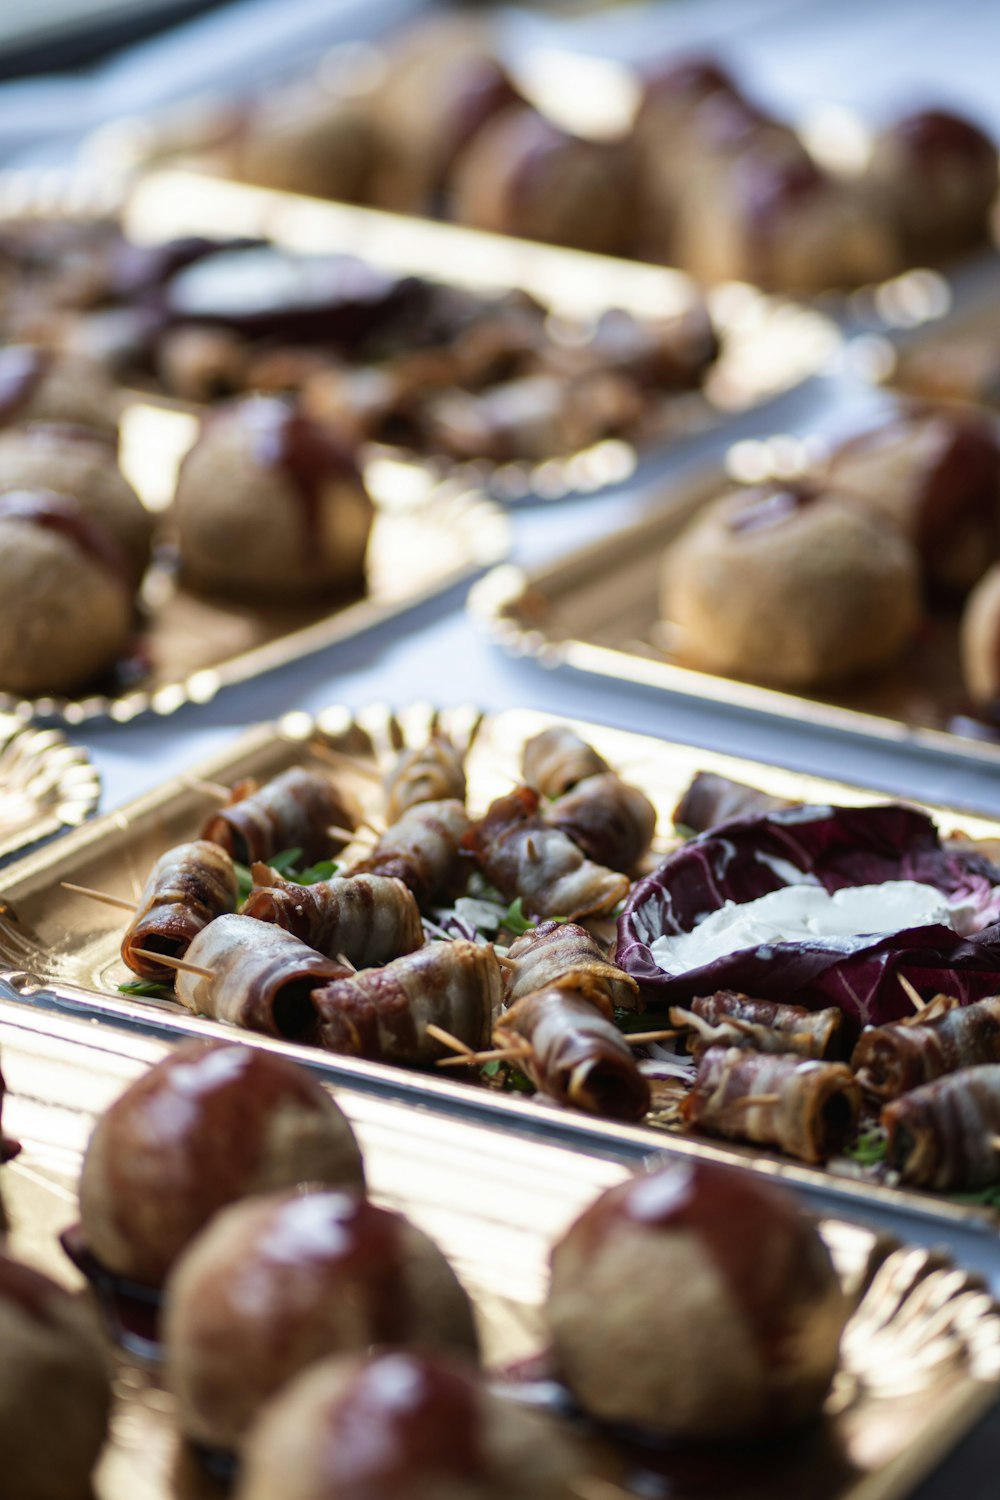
x=836 y=846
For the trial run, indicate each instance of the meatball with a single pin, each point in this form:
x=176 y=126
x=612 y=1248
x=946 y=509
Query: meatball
x=311 y=140
x=278 y=1282
x=271 y=505
x=78 y=463
x=54 y=1389
x=66 y=609
x=403 y=1426
x=980 y=642
x=791 y=585
x=522 y=175
x=41 y=385
x=213 y=1122
x=938 y=174
x=936 y=477
x=697 y=1301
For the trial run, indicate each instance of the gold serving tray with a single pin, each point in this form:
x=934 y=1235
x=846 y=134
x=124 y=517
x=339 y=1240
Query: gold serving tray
x=46 y=784
x=597 y=611
x=769 y=345
x=59 y=951
x=920 y=1358
x=428 y=536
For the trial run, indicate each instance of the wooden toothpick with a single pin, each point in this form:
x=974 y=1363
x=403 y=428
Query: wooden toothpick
x=181 y=964
x=910 y=993
x=210 y=788
x=752 y=1099
x=639 y=1038
x=338 y=758
x=105 y=896
x=446 y=1039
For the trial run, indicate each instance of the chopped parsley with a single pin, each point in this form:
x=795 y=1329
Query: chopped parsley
x=146 y=989
x=870 y=1147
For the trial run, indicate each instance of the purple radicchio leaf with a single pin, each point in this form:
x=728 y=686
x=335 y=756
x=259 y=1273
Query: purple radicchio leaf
x=837 y=846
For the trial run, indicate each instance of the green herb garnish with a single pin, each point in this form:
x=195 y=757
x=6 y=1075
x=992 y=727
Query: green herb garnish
x=870 y=1147
x=514 y=920
x=683 y=831
x=286 y=861
x=988 y=1197
x=313 y=874
x=146 y=989
x=511 y=1078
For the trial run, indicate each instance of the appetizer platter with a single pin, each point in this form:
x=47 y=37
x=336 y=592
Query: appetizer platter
x=45 y=784
x=711 y=596
x=427 y=931
x=898 y=1350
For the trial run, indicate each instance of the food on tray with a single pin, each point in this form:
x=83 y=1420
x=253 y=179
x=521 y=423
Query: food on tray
x=278 y=1282
x=66 y=610
x=434 y=772
x=423 y=850
x=729 y=1020
x=212 y=1122
x=81 y=465
x=307 y=138
x=711 y=799
x=268 y=501
x=791 y=584
x=55 y=1393
x=944 y=1135
x=38 y=384
x=563 y=955
x=699 y=1302
x=522 y=175
x=943 y=1037
x=806 y=1108
x=363 y=919
x=960 y=366
x=557 y=760
x=188 y=887
x=609 y=820
x=404 y=1426
x=980 y=642
x=938 y=173
x=300 y=809
x=936 y=476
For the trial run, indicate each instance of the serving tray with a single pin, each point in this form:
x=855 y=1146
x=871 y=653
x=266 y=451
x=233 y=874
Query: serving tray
x=45 y=784
x=920 y=1358
x=597 y=611
x=428 y=535
x=769 y=345
x=59 y=951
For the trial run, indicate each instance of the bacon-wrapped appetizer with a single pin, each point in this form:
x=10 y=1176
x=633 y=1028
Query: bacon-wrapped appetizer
x=712 y=799
x=422 y=850
x=805 y=1108
x=943 y=1037
x=524 y=857
x=945 y=1134
x=435 y=773
x=555 y=760
x=612 y=822
x=563 y=956
x=383 y=1014
x=189 y=887
x=296 y=810
x=574 y=1055
x=259 y=976
x=730 y=1020
x=367 y=919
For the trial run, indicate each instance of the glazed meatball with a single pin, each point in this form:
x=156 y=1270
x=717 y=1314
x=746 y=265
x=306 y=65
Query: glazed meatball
x=980 y=642
x=269 y=504
x=938 y=173
x=403 y=1426
x=936 y=477
x=311 y=140
x=521 y=175
x=791 y=585
x=78 y=463
x=278 y=1282
x=696 y=1301
x=213 y=1122
x=41 y=385
x=54 y=1388
x=66 y=610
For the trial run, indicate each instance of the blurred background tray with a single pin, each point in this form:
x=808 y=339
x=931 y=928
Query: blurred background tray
x=46 y=784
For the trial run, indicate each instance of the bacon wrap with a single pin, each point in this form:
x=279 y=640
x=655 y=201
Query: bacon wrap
x=422 y=850
x=434 y=773
x=943 y=1135
x=817 y=1107
x=561 y=955
x=523 y=857
x=712 y=799
x=383 y=1014
x=188 y=887
x=730 y=1020
x=555 y=760
x=945 y=1036
x=369 y=919
x=612 y=822
x=577 y=1057
x=294 y=811
x=262 y=978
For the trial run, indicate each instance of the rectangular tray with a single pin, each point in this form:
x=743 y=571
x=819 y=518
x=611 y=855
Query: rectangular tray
x=770 y=345
x=597 y=611
x=428 y=536
x=60 y=951
x=921 y=1358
